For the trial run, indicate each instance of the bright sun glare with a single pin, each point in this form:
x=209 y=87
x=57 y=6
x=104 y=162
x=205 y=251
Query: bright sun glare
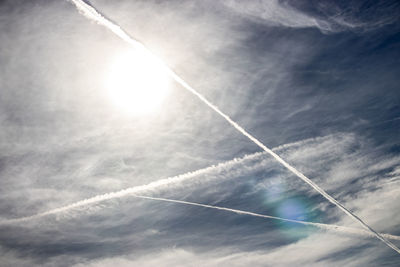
x=137 y=83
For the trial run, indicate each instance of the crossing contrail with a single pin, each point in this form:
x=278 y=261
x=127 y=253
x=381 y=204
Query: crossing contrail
x=150 y=187
x=91 y=13
x=323 y=226
x=176 y=180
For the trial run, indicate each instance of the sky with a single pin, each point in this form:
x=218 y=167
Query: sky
x=316 y=81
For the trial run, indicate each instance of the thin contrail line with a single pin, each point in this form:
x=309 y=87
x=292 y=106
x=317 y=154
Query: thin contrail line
x=91 y=13
x=174 y=180
x=323 y=226
x=132 y=191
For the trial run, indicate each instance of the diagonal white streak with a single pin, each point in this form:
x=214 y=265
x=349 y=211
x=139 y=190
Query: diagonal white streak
x=159 y=184
x=91 y=13
x=323 y=226
x=162 y=183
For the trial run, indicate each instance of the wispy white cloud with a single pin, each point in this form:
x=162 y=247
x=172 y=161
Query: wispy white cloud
x=332 y=17
x=194 y=179
x=92 y=14
x=275 y=12
x=301 y=253
x=48 y=161
x=214 y=182
x=157 y=185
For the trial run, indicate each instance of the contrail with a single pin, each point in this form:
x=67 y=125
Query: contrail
x=323 y=226
x=133 y=191
x=159 y=184
x=91 y=13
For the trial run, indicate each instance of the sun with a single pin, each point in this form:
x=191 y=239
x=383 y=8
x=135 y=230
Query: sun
x=137 y=82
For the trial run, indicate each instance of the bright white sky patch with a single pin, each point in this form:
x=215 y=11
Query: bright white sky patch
x=137 y=83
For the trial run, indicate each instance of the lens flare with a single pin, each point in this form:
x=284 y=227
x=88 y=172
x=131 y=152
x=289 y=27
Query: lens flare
x=292 y=209
x=295 y=209
x=280 y=199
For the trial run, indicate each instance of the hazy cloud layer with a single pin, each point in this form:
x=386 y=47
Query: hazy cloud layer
x=277 y=13
x=178 y=234
x=327 y=16
x=316 y=80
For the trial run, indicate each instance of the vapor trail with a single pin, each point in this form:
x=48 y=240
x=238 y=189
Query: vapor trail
x=162 y=183
x=91 y=13
x=133 y=191
x=323 y=226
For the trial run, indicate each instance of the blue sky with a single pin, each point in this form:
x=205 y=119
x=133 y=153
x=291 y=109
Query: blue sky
x=315 y=80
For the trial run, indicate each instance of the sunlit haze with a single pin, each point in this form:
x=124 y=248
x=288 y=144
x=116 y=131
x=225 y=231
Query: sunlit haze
x=137 y=83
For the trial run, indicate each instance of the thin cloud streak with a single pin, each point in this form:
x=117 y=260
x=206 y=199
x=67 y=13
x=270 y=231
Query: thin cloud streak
x=91 y=13
x=132 y=192
x=276 y=13
x=175 y=180
x=331 y=227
